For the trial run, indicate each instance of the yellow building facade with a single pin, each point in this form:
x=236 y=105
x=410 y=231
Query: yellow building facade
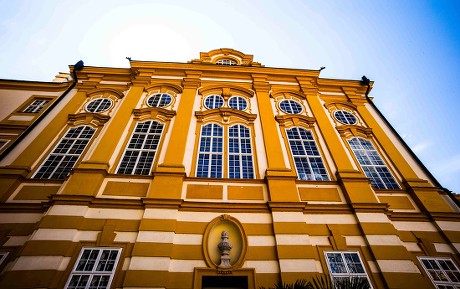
x=215 y=173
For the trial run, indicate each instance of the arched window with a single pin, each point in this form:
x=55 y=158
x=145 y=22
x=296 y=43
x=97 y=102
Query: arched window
x=210 y=151
x=225 y=152
x=99 y=105
x=372 y=164
x=64 y=156
x=290 y=106
x=307 y=158
x=141 y=150
x=345 y=117
x=226 y=61
x=214 y=101
x=159 y=100
x=238 y=102
x=240 y=164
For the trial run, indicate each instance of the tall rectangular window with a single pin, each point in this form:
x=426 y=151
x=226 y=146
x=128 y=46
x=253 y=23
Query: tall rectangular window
x=67 y=152
x=240 y=165
x=372 y=164
x=347 y=267
x=210 y=152
x=442 y=271
x=36 y=105
x=307 y=158
x=141 y=150
x=219 y=159
x=94 y=268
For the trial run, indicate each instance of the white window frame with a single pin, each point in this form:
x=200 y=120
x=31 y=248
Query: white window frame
x=214 y=141
x=99 y=105
x=226 y=61
x=440 y=284
x=225 y=149
x=239 y=102
x=345 y=117
x=93 y=272
x=3 y=256
x=214 y=101
x=348 y=274
x=159 y=100
x=290 y=109
x=62 y=149
x=36 y=105
x=142 y=150
x=375 y=167
x=3 y=142
x=303 y=176
x=240 y=156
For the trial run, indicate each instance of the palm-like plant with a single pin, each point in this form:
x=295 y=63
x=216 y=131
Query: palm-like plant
x=325 y=282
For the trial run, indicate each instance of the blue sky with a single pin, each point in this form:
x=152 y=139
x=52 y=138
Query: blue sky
x=411 y=49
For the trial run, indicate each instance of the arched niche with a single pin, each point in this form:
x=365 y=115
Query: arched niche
x=212 y=237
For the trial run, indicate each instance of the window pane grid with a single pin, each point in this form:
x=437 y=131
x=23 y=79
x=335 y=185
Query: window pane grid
x=290 y=106
x=159 y=100
x=214 y=101
x=66 y=153
x=372 y=164
x=345 y=265
x=442 y=271
x=345 y=117
x=238 y=102
x=141 y=150
x=36 y=105
x=210 y=152
x=240 y=153
x=307 y=158
x=226 y=62
x=99 y=105
x=94 y=269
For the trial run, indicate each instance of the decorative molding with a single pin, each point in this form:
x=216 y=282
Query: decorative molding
x=88 y=118
x=153 y=113
x=288 y=120
x=348 y=131
x=226 y=114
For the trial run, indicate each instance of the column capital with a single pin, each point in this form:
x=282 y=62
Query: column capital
x=260 y=83
x=192 y=80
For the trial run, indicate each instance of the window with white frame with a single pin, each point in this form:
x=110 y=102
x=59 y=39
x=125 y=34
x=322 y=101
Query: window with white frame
x=63 y=157
x=36 y=105
x=442 y=271
x=238 y=102
x=211 y=160
x=344 y=266
x=141 y=150
x=226 y=61
x=213 y=101
x=159 y=100
x=99 y=105
x=94 y=269
x=3 y=142
x=372 y=164
x=345 y=117
x=290 y=106
x=211 y=151
x=240 y=164
x=3 y=256
x=307 y=158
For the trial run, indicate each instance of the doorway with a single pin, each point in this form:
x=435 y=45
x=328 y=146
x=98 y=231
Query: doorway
x=224 y=282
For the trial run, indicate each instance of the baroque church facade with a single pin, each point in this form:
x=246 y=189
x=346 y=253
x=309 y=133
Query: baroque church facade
x=215 y=173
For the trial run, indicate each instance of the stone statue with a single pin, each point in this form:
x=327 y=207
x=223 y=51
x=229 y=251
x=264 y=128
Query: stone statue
x=224 y=247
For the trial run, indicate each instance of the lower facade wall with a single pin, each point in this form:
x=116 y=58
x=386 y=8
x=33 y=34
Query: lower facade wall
x=162 y=247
